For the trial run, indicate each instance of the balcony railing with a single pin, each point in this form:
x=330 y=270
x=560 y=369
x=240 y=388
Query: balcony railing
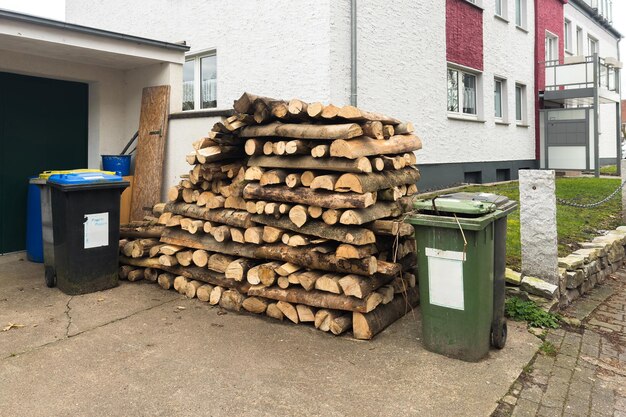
x=578 y=72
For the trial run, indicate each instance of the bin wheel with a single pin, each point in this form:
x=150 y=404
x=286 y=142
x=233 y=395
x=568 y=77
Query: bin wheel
x=498 y=335
x=51 y=279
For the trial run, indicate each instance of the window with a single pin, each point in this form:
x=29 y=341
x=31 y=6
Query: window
x=579 y=41
x=520 y=13
x=567 y=35
x=592 y=45
x=499 y=98
x=552 y=47
x=202 y=94
x=520 y=102
x=461 y=92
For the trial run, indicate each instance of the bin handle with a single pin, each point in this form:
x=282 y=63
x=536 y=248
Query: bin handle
x=462 y=234
x=435 y=207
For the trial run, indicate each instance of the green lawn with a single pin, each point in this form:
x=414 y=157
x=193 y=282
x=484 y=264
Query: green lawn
x=608 y=170
x=574 y=225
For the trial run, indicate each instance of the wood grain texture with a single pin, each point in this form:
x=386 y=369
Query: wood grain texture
x=155 y=105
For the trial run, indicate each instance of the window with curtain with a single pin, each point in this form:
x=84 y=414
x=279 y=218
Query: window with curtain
x=200 y=82
x=497 y=98
x=188 y=85
x=520 y=102
x=462 y=92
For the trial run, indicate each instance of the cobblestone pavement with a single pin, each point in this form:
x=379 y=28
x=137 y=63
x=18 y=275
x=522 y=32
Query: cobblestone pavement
x=578 y=371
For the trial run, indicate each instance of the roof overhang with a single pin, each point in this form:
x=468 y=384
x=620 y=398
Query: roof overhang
x=593 y=14
x=59 y=40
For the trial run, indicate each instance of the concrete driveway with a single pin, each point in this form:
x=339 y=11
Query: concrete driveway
x=139 y=350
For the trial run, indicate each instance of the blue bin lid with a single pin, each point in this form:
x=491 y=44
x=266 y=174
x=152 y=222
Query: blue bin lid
x=84 y=178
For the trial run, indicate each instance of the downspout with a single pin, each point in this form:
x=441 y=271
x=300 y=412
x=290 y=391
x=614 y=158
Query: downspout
x=353 y=54
x=618 y=115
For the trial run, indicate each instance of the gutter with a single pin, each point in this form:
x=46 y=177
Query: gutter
x=56 y=24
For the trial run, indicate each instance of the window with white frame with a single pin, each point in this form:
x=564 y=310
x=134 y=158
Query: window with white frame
x=499 y=99
x=579 y=41
x=567 y=35
x=462 y=88
x=592 y=45
x=520 y=103
x=520 y=13
x=552 y=47
x=200 y=81
x=501 y=8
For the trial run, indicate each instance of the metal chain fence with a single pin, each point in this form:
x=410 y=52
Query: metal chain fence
x=591 y=205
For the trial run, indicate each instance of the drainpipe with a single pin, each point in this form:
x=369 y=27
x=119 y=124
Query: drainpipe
x=353 y=55
x=618 y=115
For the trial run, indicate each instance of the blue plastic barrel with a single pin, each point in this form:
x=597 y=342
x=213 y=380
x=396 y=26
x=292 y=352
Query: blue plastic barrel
x=34 y=237
x=117 y=163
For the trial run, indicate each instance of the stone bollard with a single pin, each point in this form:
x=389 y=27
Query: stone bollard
x=538 y=225
x=623 y=166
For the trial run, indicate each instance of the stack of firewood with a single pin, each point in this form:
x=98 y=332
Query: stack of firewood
x=309 y=228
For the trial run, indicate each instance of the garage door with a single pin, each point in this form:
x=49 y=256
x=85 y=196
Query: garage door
x=43 y=125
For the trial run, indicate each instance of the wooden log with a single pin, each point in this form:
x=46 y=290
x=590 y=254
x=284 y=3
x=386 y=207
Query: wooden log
x=254 y=235
x=284 y=208
x=165 y=280
x=216 y=295
x=288 y=311
x=245 y=103
x=235 y=202
x=341 y=324
x=388 y=131
x=297 y=146
x=307 y=178
x=353 y=113
x=283 y=282
x=297 y=108
x=203 y=293
x=376 y=181
x=191 y=288
x=219 y=262
x=356 y=165
x=366 y=146
x=273 y=176
x=320 y=151
x=271 y=208
x=221 y=233
x=298 y=215
x=253 y=173
x=124 y=270
x=303 y=131
x=272 y=234
x=404 y=128
x=174 y=221
x=293 y=180
x=331 y=216
x=411 y=189
x=390 y=194
x=192 y=225
x=143 y=232
x=366 y=326
x=386 y=291
x=274 y=312
x=329 y=283
x=324 y=182
x=260 y=207
x=318 y=299
x=237 y=235
x=360 y=287
x=230 y=217
x=255 y=305
x=184 y=257
x=175 y=193
x=314 y=110
x=287 y=269
x=168 y=260
x=298 y=240
x=307 y=196
x=391 y=228
x=135 y=275
x=321 y=317
x=306 y=314
x=266 y=273
x=373 y=129
x=307 y=278
x=315 y=212
x=170 y=249
x=352 y=235
x=268 y=148
x=238 y=268
x=347 y=251
x=231 y=300
x=180 y=284
x=200 y=258
x=253 y=147
x=207 y=242
x=379 y=210
x=279 y=147
x=252 y=276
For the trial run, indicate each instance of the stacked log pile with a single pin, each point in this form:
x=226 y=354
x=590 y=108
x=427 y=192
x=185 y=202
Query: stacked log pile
x=293 y=210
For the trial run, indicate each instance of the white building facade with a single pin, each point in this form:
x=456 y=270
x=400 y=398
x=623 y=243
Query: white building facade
x=303 y=49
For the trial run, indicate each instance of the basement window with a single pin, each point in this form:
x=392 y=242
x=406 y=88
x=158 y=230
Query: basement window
x=202 y=94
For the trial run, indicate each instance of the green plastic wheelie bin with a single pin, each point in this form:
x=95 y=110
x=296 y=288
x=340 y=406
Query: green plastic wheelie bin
x=455 y=249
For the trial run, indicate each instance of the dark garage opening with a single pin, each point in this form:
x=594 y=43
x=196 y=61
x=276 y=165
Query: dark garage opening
x=43 y=126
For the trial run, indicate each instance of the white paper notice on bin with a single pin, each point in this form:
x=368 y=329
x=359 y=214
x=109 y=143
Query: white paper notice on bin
x=96 y=230
x=445 y=278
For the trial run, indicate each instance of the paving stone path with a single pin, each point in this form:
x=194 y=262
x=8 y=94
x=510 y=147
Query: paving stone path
x=585 y=375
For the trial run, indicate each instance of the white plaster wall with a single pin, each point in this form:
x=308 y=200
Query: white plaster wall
x=278 y=48
x=402 y=72
x=181 y=134
x=608 y=48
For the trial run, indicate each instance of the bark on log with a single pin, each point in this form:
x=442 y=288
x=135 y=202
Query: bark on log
x=310 y=197
x=341 y=324
x=366 y=146
x=303 y=131
x=317 y=299
x=255 y=305
x=360 y=287
x=366 y=326
x=166 y=280
x=230 y=217
x=204 y=292
x=357 y=165
x=231 y=300
x=347 y=251
x=206 y=242
x=353 y=113
x=352 y=235
x=379 y=210
x=391 y=228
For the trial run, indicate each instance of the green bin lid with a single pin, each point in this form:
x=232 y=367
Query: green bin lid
x=453 y=205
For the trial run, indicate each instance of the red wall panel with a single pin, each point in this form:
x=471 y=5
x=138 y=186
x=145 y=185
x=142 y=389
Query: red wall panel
x=464 y=34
